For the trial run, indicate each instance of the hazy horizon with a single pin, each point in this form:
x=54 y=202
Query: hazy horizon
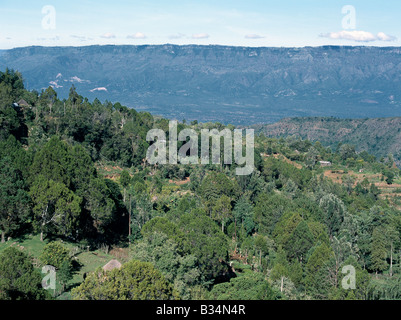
x=290 y=23
x=202 y=45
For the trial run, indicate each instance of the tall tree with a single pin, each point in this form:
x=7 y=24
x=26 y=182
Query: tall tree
x=392 y=237
x=378 y=250
x=269 y=209
x=125 y=180
x=243 y=216
x=281 y=267
x=100 y=204
x=19 y=280
x=311 y=157
x=221 y=211
x=21 y=160
x=204 y=239
x=52 y=162
x=48 y=98
x=56 y=208
x=334 y=210
x=315 y=273
x=300 y=241
x=214 y=186
x=14 y=200
x=179 y=269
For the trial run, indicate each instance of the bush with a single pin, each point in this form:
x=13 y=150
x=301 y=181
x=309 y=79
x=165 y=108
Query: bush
x=135 y=280
x=55 y=254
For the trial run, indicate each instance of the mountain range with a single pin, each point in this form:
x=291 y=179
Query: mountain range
x=238 y=85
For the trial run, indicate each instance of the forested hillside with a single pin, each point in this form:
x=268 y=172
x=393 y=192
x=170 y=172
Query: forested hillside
x=76 y=192
x=378 y=136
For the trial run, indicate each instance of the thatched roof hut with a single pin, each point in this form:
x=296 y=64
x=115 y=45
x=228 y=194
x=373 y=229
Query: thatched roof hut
x=23 y=103
x=112 y=264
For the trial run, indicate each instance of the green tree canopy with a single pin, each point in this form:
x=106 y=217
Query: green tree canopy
x=179 y=269
x=334 y=210
x=269 y=209
x=18 y=278
x=14 y=200
x=204 y=239
x=250 y=286
x=135 y=280
x=56 y=208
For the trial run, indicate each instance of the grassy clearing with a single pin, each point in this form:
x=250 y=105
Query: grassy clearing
x=30 y=244
x=109 y=171
x=84 y=260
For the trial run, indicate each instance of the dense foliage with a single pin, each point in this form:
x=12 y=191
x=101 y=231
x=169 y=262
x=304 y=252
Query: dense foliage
x=18 y=278
x=134 y=281
x=193 y=231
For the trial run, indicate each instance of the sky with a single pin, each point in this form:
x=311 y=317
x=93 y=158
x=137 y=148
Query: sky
x=254 y=23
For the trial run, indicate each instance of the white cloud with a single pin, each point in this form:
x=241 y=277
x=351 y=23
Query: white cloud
x=54 y=84
x=99 y=89
x=385 y=37
x=108 y=35
x=254 y=36
x=76 y=79
x=359 y=36
x=138 y=35
x=200 y=36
